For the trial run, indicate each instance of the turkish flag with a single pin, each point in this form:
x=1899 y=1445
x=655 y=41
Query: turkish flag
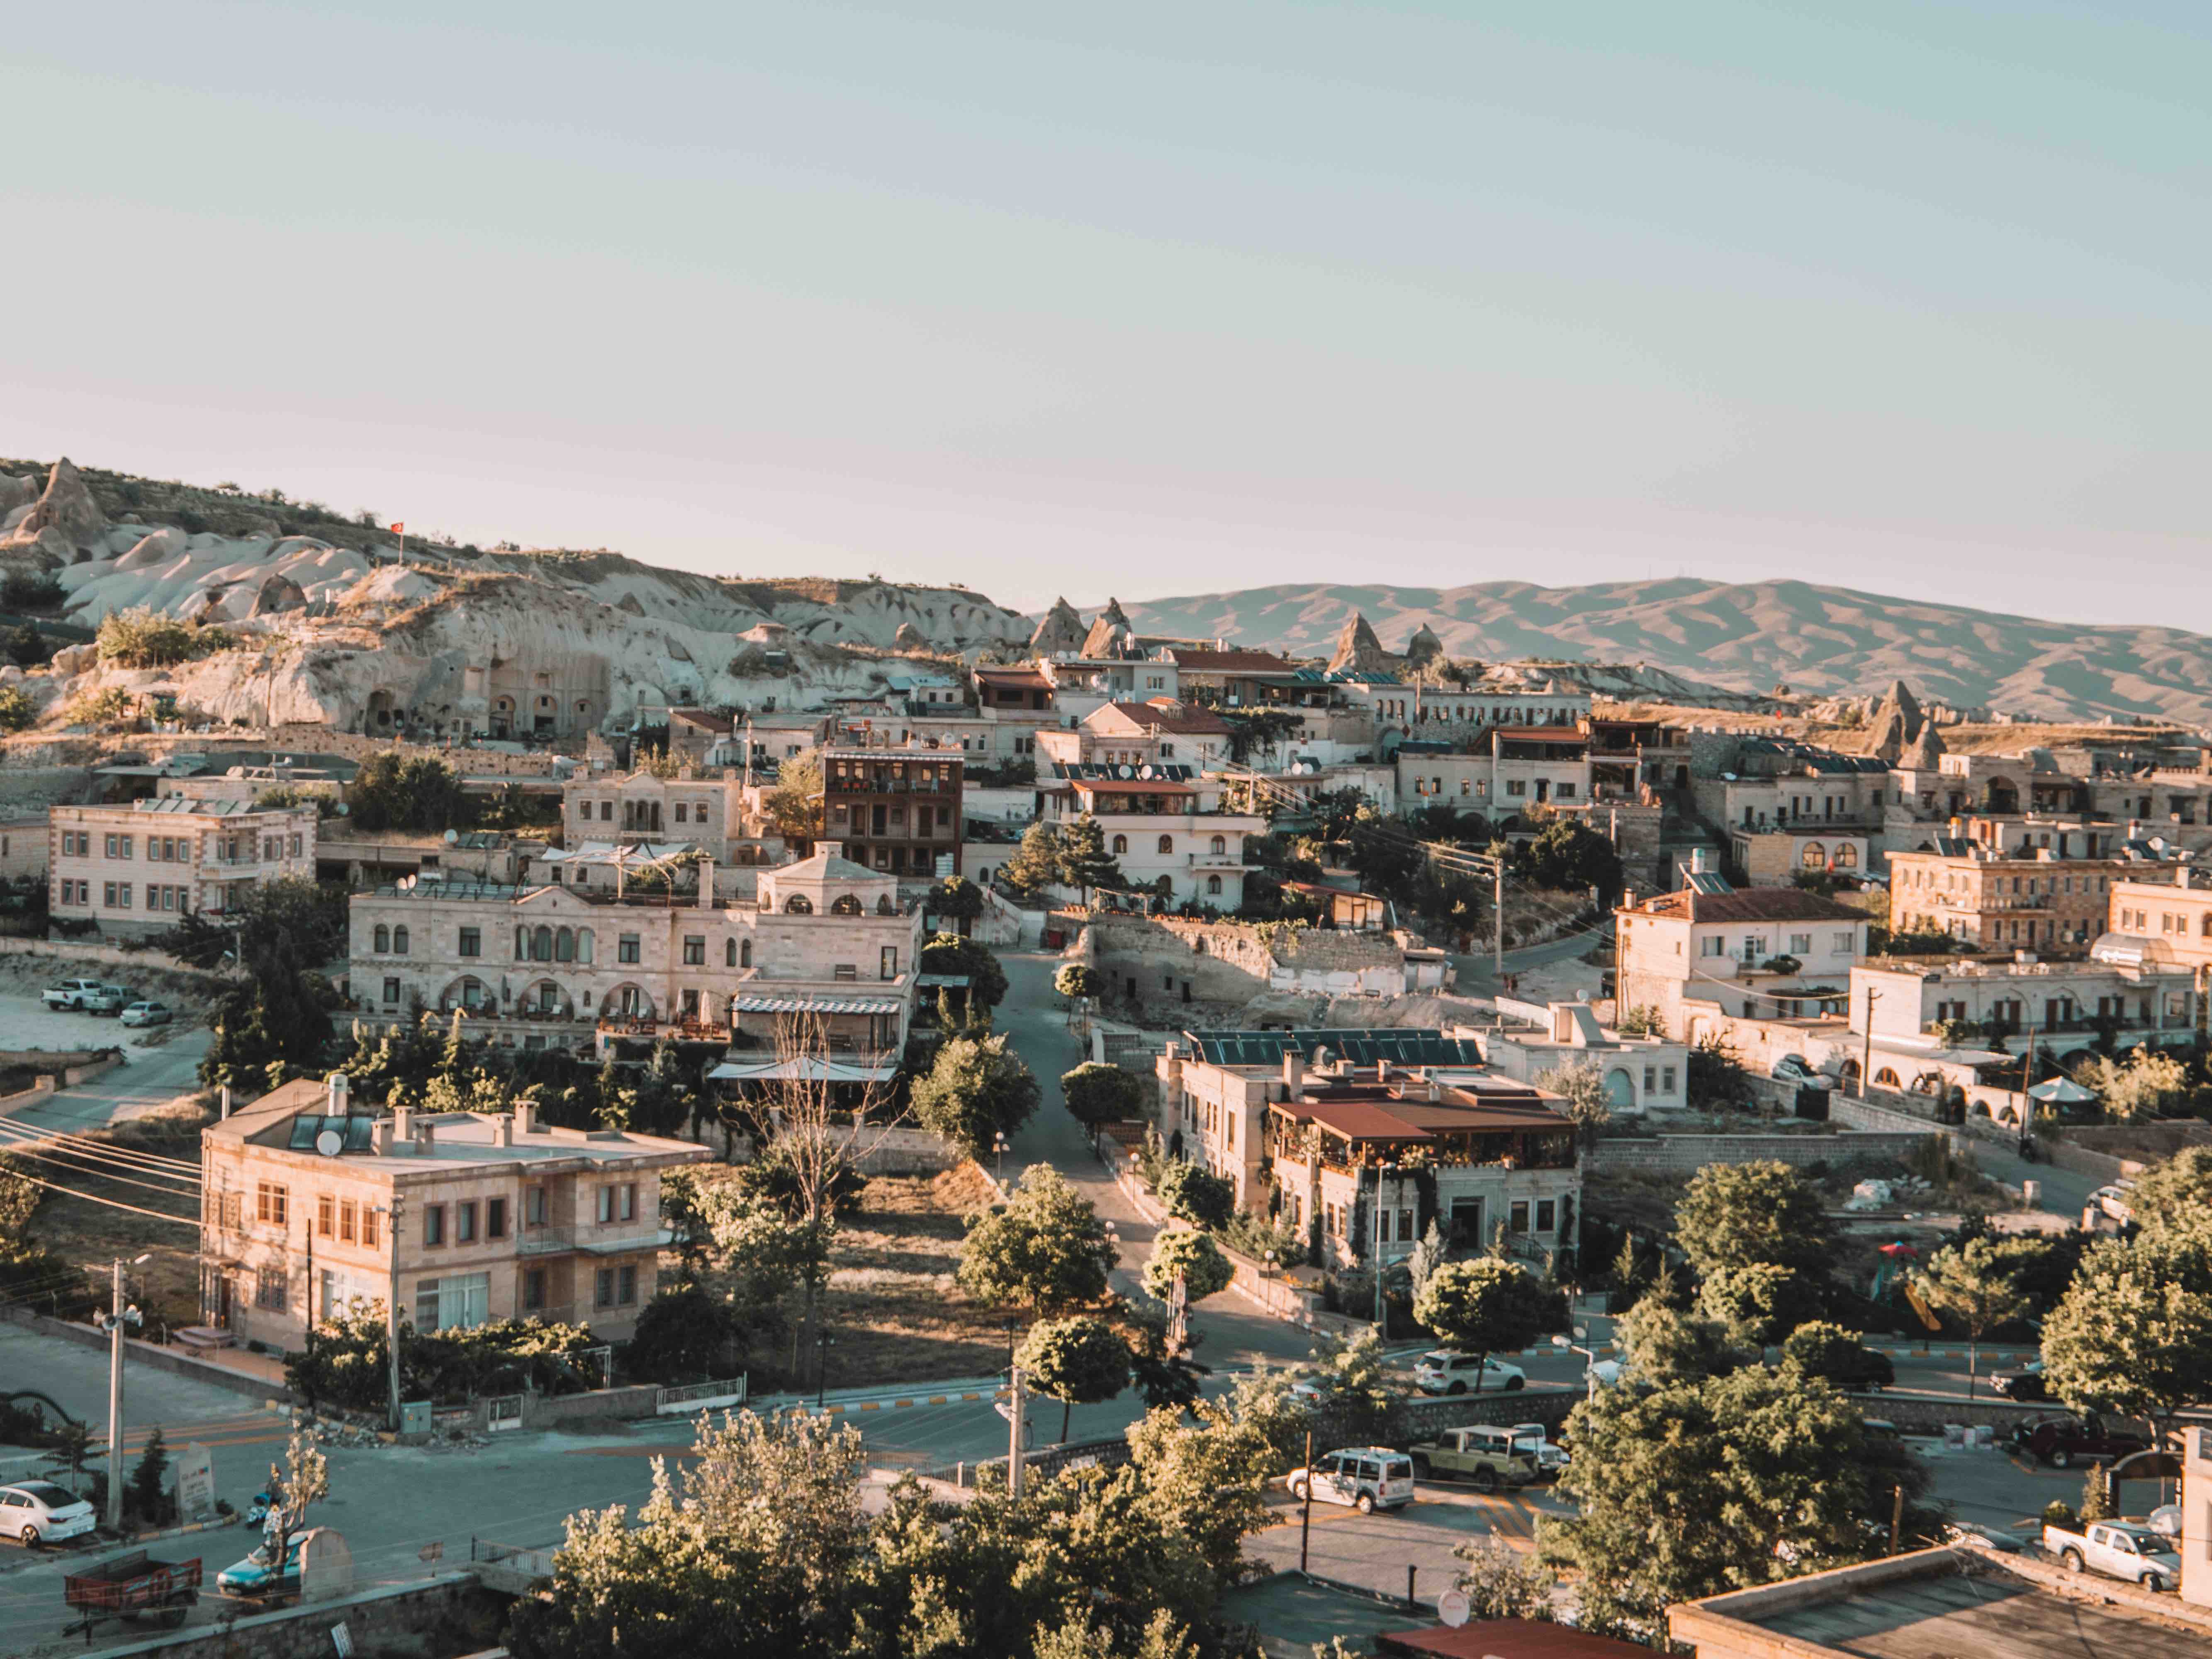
x=400 y=530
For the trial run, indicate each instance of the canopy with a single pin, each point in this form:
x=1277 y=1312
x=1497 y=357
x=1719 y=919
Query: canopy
x=2062 y=1092
x=811 y=1068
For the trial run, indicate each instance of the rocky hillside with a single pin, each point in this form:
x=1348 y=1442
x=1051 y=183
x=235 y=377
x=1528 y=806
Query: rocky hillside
x=1749 y=637
x=326 y=613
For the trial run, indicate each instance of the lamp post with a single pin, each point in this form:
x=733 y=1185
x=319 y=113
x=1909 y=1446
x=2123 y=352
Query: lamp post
x=999 y=1153
x=115 y=1323
x=823 y=1343
x=1589 y=1358
x=1268 y=1271
x=1012 y=1325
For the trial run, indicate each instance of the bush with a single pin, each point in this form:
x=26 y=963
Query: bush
x=31 y=590
x=681 y=1334
x=1202 y=1199
x=16 y=710
x=144 y=638
x=102 y=708
x=1098 y=1094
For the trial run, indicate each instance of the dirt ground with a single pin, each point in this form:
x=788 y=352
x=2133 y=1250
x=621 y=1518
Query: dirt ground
x=893 y=1307
x=91 y=1235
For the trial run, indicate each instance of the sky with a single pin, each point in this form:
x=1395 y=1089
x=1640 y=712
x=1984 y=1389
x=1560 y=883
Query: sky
x=1150 y=299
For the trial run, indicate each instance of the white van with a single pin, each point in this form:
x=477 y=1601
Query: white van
x=1368 y=1478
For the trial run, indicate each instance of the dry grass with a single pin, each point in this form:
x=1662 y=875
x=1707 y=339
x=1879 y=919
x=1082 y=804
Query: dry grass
x=893 y=1307
x=90 y=1234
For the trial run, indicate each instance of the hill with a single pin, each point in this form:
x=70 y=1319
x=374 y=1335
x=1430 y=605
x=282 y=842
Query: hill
x=1749 y=637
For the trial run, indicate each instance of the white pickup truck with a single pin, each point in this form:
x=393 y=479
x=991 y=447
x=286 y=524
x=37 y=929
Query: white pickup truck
x=2118 y=1549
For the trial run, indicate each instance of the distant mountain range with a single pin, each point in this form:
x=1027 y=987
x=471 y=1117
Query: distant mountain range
x=1749 y=636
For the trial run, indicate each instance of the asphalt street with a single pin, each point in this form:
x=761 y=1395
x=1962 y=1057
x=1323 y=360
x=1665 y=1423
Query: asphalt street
x=132 y=1090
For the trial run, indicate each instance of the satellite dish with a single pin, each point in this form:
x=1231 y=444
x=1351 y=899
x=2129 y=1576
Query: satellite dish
x=330 y=1143
x=1144 y=771
x=453 y=837
x=1453 y=1608
x=1127 y=772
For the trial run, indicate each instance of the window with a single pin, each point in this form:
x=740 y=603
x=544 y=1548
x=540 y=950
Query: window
x=495 y=1217
x=626 y=947
x=1668 y=1079
x=272 y=1289
x=1212 y=885
x=383 y=941
x=694 y=950
x=603 y=1293
x=626 y=1285
x=746 y=953
x=272 y=1203
x=434 y=1224
x=348 y=1212
x=1120 y=843
x=729 y=953
x=799 y=905
x=1515 y=786
x=1712 y=945
x=1547 y=1215
x=464 y=1221
x=888 y=966
x=1519 y=1223
x=472 y=941
x=1167 y=843
x=399 y=941
x=453 y=1302
x=533 y=1289
x=326 y=1215
x=369 y=1214
x=683 y=812
x=1841 y=943
x=533 y=1207
x=1650 y=1078
x=606 y=1205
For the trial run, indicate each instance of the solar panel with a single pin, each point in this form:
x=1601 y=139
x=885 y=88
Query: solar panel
x=305 y=1128
x=357 y=1133
x=1706 y=881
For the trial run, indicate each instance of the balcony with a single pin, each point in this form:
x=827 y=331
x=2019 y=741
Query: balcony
x=613 y=1239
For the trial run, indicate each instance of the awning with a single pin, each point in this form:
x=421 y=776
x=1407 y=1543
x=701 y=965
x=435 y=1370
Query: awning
x=2062 y=1092
x=809 y=1068
x=768 y=1004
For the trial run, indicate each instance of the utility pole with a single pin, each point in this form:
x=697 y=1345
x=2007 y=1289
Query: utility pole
x=1896 y=1516
x=1866 y=1049
x=1305 y=1515
x=392 y=1307
x=1497 y=919
x=1014 y=1439
x=119 y=1318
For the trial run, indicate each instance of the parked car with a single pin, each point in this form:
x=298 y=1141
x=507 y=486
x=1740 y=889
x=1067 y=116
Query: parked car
x=2115 y=1201
x=39 y=1512
x=1794 y=1068
x=1550 y=1456
x=1865 y=1370
x=148 y=1013
x=2062 y=1442
x=2024 y=1382
x=1973 y=1531
x=2118 y=1549
x=109 y=999
x=72 y=995
x=257 y=1576
x=1442 y=1371
x=1368 y=1478
x=1483 y=1453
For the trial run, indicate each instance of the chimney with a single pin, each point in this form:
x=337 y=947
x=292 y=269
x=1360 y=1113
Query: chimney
x=426 y=1137
x=1294 y=1075
x=524 y=1114
x=706 y=883
x=835 y=849
x=402 y=1123
x=502 y=1131
x=336 y=1085
x=2181 y=875
x=380 y=1137
x=1436 y=1091
x=1381 y=1070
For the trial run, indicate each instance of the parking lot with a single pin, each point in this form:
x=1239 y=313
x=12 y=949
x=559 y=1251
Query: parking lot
x=29 y=1024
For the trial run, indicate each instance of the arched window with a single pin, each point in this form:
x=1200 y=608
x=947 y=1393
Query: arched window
x=729 y=953
x=1220 y=843
x=845 y=904
x=541 y=946
x=1167 y=843
x=1847 y=856
x=564 y=945
x=799 y=905
x=885 y=908
x=583 y=944
x=1814 y=857
x=1120 y=843
x=383 y=940
x=745 y=954
x=399 y=941
x=522 y=944
x=472 y=993
x=1213 y=884
x=1885 y=1078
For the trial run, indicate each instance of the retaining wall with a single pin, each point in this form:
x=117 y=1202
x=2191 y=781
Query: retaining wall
x=173 y=1360
x=1686 y=1154
x=391 y=1618
x=1914 y=1414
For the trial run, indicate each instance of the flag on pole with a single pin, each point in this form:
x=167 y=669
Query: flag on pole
x=400 y=530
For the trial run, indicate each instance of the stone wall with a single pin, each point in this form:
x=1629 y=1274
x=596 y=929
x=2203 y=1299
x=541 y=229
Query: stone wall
x=1165 y=962
x=393 y=1618
x=1686 y=1154
x=175 y=1361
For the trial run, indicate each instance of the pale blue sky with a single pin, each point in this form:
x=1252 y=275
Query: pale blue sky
x=1150 y=299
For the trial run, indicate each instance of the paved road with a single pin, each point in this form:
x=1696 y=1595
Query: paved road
x=132 y=1090
x=1476 y=978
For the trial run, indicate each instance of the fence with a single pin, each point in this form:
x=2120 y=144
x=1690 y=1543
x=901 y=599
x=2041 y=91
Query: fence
x=702 y=1397
x=1686 y=1154
x=1103 y=1453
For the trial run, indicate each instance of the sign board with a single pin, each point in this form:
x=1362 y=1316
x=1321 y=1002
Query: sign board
x=342 y=1639
x=195 y=1481
x=1453 y=1608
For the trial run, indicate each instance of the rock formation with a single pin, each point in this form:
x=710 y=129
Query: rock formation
x=1110 y=635
x=1896 y=724
x=16 y=492
x=909 y=638
x=1060 y=629
x=1423 y=649
x=65 y=525
x=1358 y=649
x=1926 y=753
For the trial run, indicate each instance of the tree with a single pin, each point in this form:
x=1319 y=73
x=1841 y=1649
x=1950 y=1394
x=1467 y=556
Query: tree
x=1487 y=1306
x=977 y=1089
x=72 y=1446
x=1661 y=1347
x=147 y=1494
x=16 y=710
x=1364 y=1403
x=1046 y=1250
x=1734 y=1214
x=1715 y=1077
x=1775 y=1465
x=273 y=1027
x=1195 y=1194
x=1180 y=1252
x=1077 y=979
x=957 y=898
x=793 y=807
x=2133 y=1334
x=294 y=911
x=1501 y=1582
x=968 y=958
x=1208 y=1482
x=1828 y=1352
x=1084 y=862
x=1036 y=864
x=303 y=1478
x=1567 y=853
x=1429 y=1253
x=1975 y=1283
x=1098 y=1094
x=1757 y=1301
x=1078 y=1362
x=2147 y=1085
x=1581 y=1088
x=681 y=1334
x=422 y=793
x=2177 y=1190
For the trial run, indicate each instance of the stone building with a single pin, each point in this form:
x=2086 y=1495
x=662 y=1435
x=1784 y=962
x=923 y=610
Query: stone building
x=1167 y=830
x=1161 y=731
x=1712 y=949
x=706 y=807
x=1362 y=1137
x=895 y=810
x=1639 y=1073
x=1972 y=890
x=1159 y=961
x=308 y=1203
x=134 y=867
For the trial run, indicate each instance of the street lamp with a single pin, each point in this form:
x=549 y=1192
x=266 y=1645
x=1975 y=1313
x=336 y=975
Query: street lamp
x=1012 y=1325
x=823 y=1343
x=999 y=1149
x=1589 y=1357
x=1269 y=1271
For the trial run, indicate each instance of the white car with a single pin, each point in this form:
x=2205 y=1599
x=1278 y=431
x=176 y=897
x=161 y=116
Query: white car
x=1533 y=1439
x=148 y=1013
x=1368 y=1478
x=39 y=1512
x=1442 y=1371
x=2114 y=1202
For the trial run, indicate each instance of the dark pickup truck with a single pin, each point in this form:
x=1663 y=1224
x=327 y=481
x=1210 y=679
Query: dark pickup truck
x=133 y=1587
x=2062 y=1442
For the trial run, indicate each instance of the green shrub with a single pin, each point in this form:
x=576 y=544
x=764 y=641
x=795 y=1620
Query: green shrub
x=144 y=638
x=16 y=710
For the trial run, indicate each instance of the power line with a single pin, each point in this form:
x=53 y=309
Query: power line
x=97 y=1174
x=113 y=1204
x=105 y=1148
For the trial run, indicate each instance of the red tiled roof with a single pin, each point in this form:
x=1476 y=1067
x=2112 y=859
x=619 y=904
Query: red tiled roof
x=1168 y=715
x=1750 y=904
x=702 y=717
x=1361 y=1120
x=1229 y=662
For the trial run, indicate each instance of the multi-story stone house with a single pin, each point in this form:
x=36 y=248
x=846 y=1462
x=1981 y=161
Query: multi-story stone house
x=1712 y=949
x=1975 y=892
x=895 y=810
x=570 y=966
x=1455 y=715
x=134 y=867
x=1162 y=731
x=1167 y=831
x=1511 y=769
x=1639 y=1073
x=708 y=808
x=308 y=1202
x=1361 y=1139
x=1231 y=679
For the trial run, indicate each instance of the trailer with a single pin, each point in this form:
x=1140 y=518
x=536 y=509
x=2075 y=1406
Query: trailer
x=134 y=1587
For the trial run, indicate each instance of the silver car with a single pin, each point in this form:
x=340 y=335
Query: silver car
x=148 y=1013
